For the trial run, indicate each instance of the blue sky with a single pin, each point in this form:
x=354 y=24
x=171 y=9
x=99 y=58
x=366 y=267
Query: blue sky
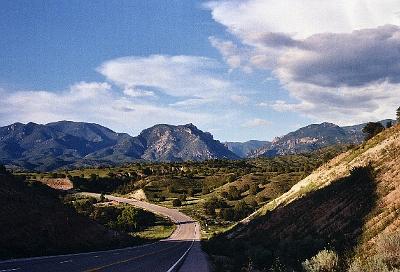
x=241 y=69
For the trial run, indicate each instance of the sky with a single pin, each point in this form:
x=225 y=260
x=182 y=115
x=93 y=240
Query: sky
x=240 y=69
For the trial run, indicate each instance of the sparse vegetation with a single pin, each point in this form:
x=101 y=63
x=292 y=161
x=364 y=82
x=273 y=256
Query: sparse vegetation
x=371 y=129
x=324 y=261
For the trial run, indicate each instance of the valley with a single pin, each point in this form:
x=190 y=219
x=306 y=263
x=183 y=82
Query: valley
x=276 y=210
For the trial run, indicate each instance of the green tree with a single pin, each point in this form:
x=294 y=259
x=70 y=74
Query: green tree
x=398 y=114
x=233 y=193
x=253 y=189
x=3 y=169
x=389 y=124
x=241 y=210
x=147 y=171
x=182 y=197
x=176 y=203
x=132 y=219
x=227 y=214
x=102 y=198
x=371 y=129
x=191 y=192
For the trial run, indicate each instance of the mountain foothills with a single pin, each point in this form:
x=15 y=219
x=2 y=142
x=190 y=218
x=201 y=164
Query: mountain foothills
x=67 y=144
x=74 y=144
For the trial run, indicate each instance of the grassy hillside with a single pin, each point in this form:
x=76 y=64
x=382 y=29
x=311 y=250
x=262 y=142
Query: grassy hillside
x=218 y=192
x=349 y=205
x=36 y=222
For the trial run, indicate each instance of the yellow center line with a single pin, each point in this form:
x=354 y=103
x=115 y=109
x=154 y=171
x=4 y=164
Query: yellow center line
x=130 y=259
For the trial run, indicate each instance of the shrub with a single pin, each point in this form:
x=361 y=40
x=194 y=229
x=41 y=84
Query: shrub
x=371 y=129
x=227 y=214
x=371 y=265
x=182 y=197
x=132 y=219
x=3 y=169
x=233 y=193
x=176 y=203
x=386 y=259
x=388 y=248
x=253 y=189
x=324 y=261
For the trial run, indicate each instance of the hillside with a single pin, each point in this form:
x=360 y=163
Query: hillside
x=75 y=144
x=349 y=205
x=181 y=143
x=311 y=138
x=34 y=222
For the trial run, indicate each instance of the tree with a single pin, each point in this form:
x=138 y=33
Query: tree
x=176 y=203
x=3 y=169
x=253 y=189
x=241 y=210
x=398 y=115
x=182 y=197
x=227 y=214
x=371 y=129
x=102 y=198
x=132 y=219
x=233 y=193
x=212 y=204
x=389 y=124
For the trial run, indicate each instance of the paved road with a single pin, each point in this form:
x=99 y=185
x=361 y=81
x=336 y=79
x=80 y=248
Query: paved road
x=183 y=244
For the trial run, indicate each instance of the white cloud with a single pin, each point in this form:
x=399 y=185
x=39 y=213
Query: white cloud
x=338 y=60
x=248 y=19
x=240 y=99
x=193 y=102
x=136 y=92
x=91 y=102
x=254 y=123
x=178 y=76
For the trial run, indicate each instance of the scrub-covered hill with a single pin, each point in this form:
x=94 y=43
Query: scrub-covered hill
x=350 y=206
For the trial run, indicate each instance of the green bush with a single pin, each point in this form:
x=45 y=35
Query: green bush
x=176 y=203
x=132 y=219
x=3 y=169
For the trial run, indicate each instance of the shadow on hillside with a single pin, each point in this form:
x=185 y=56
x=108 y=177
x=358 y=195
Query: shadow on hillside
x=332 y=217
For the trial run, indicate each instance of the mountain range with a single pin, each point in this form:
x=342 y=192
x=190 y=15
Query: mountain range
x=303 y=140
x=75 y=144
x=70 y=144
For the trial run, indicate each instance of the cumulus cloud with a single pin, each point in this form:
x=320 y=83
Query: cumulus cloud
x=250 y=18
x=339 y=60
x=254 y=123
x=96 y=102
x=178 y=76
x=355 y=59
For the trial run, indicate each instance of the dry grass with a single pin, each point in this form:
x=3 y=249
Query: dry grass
x=324 y=261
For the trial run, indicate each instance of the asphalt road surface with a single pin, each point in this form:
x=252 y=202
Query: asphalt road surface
x=181 y=250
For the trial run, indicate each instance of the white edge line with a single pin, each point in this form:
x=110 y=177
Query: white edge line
x=181 y=258
x=74 y=254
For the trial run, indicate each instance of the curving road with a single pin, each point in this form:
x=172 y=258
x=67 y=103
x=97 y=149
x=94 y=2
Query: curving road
x=180 y=251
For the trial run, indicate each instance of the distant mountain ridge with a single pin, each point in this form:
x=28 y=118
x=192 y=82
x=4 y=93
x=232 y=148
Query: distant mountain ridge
x=304 y=140
x=77 y=144
x=245 y=149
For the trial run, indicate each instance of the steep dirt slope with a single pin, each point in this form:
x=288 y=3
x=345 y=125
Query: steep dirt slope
x=346 y=205
x=383 y=154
